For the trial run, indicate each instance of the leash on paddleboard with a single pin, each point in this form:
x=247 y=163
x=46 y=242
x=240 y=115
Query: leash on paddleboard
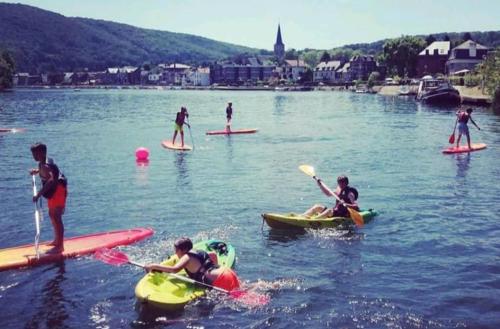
x=38 y=219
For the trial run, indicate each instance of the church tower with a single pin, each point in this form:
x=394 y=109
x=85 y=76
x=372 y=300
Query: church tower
x=279 y=47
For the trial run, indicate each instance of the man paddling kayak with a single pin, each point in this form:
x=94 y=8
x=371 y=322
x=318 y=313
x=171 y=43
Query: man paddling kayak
x=179 y=123
x=347 y=194
x=462 y=119
x=54 y=189
x=229 y=115
x=199 y=267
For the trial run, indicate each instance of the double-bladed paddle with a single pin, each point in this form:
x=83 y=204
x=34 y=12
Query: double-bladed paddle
x=117 y=258
x=355 y=216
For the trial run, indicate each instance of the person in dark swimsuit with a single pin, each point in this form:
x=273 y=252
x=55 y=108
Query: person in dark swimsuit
x=229 y=115
x=179 y=123
x=462 y=119
x=199 y=266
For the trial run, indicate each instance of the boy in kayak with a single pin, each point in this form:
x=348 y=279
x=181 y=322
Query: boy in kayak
x=229 y=114
x=179 y=122
x=347 y=194
x=54 y=189
x=462 y=119
x=199 y=267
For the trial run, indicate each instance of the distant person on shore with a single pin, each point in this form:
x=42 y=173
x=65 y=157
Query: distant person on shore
x=462 y=120
x=347 y=194
x=179 y=123
x=199 y=267
x=54 y=189
x=229 y=115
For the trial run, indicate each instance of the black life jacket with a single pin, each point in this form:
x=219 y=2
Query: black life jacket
x=339 y=209
x=206 y=265
x=179 y=119
x=61 y=179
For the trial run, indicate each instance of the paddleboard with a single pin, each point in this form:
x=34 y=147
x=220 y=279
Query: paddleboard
x=168 y=145
x=464 y=148
x=12 y=130
x=232 y=132
x=21 y=256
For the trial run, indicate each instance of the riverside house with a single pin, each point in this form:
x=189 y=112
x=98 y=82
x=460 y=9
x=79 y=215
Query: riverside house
x=465 y=57
x=326 y=72
x=433 y=58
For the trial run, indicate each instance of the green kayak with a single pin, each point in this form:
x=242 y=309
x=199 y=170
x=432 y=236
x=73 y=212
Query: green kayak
x=168 y=293
x=291 y=220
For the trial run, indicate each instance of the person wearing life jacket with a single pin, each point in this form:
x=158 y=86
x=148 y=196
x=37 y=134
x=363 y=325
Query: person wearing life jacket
x=229 y=115
x=54 y=189
x=199 y=266
x=462 y=120
x=179 y=123
x=347 y=194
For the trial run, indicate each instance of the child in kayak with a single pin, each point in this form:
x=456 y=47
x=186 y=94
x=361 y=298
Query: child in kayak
x=199 y=266
x=179 y=122
x=229 y=114
x=347 y=194
x=54 y=189
x=462 y=119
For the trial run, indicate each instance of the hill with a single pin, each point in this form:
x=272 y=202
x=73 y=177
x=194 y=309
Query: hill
x=41 y=41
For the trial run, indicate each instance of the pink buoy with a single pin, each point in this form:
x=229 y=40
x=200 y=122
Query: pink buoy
x=141 y=154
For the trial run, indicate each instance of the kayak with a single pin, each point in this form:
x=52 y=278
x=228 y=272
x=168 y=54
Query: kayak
x=12 y=130
x=464 y=148
x=21 y=256
x=168 y=145
x=231 y=132
x=291 y=220
x=166 y=292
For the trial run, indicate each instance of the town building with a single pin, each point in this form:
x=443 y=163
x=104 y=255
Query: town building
x=465 y=57
x=432 y=59
x=326 y=72
x=279 y=47
x=361 y=66
x=294 y=69
x=197 y=77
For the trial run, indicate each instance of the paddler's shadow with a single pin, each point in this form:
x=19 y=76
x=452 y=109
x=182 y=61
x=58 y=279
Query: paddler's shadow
x=52 y=311
x=229 y=142
x=182 y=169
x=463 y=164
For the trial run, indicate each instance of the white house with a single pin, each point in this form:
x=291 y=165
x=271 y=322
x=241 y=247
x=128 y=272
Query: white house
x=294 y=69
x=198 y=77
x=325 y=71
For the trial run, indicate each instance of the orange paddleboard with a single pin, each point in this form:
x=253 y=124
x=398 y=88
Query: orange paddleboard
x=464 y=148
x=232 y=132
x=21 y=256
x=168 y=145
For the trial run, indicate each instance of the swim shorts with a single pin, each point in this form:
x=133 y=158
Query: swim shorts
x=463 y=129
x=59 y=197
x=178 y=128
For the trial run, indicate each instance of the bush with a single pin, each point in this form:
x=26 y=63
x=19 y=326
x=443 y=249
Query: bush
x=472 y=80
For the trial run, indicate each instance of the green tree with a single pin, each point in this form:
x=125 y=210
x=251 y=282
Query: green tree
x=490 y=70
x=311 y=58
x=467 y=36
x=325 y=57
x=7 y=67
x=373 y=78
x=307 y=76
x=400 y=55
x=291 y=54
x=430 y=39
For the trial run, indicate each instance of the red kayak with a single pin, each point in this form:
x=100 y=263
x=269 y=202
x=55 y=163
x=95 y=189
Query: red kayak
x=21 y=256
x=231 y=132
x=464 y=148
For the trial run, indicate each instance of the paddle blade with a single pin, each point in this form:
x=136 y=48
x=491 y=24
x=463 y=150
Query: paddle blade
x=452 y=138
x=308 y=170
x=111 y=256
x=249 y=298
x=356 y=217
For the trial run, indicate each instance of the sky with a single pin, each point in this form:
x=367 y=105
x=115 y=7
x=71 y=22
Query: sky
x=319 y=24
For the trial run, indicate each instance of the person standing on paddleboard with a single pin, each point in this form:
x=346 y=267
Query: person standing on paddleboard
x=54 y=189
x=347 y=194
x=179 y=123
x=462 y=119
x=229 y=115
x=199 y=267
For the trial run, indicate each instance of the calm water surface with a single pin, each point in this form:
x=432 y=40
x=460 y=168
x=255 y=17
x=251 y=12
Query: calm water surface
x=430 y=260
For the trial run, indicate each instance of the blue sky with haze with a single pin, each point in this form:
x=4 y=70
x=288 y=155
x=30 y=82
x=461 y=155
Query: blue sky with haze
x=321 y=24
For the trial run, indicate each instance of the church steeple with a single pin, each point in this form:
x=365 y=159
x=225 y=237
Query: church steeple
x=279 y=46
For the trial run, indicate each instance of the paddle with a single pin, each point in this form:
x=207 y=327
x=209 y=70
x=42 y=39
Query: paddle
x=190 y=133
x=355 y=216
x=117 y=258
x=451 y=140
x=38 y=217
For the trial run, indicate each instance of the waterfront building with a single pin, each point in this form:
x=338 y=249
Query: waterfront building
x=326 y=72
x=432 y=59
x=197 y=77
x=279 y=47
x=173 y=74
x=465 y=57
x=361 y=66
x=293 y=69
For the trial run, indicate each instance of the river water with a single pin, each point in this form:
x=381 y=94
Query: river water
x=431 y=259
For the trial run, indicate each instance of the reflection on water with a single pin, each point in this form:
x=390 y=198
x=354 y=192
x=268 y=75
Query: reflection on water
x=463 y=164
x=279 y=104
x=182 y=169
x=229 y=142
x=52 y=312
x=141 y=172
